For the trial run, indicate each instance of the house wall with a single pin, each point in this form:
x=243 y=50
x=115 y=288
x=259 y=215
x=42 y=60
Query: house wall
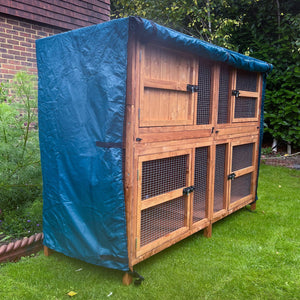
x=17 y=45
x=69 y=14
x=23 y=21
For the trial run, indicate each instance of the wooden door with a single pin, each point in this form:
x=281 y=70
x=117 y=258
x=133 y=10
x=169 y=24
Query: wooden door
x=164 y=180
x=245 y=96
x=242 y=171
x=164 y=97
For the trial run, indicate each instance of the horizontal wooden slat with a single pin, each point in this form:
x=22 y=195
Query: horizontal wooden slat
x=245 y=140
x=170 y=129
x=172 y=136
x=150 y=148
x=236 y=120
x=240 y=203
x=225 y=138
x=161 y=198
x=244 y=171
x=165 y=84
x=165 y=122
x=248 y=94
x=219 y=215
x=237 y=130
x=164 y=155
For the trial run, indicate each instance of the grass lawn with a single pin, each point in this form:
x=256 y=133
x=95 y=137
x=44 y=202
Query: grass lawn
x=251 y=255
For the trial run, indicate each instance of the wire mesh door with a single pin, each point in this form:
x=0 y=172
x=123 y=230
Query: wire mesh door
x=242 y=172
x=163 y=193
x=246 y=96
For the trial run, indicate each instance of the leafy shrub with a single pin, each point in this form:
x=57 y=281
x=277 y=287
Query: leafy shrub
x=266 y=151
x=20 y=169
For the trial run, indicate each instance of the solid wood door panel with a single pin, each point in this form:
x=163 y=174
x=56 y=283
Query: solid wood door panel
x=164 y=99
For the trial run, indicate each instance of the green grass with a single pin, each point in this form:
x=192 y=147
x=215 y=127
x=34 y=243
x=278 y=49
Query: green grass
x=251 y=255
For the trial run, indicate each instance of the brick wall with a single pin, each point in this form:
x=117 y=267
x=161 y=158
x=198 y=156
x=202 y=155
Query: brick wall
x=17 y=45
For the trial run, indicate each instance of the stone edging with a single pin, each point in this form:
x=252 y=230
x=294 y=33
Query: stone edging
x=24 y=247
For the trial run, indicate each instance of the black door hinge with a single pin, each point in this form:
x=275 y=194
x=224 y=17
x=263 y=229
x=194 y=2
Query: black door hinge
x=192 y=88
x=231 y=176
x=236 y=93
x=188 y=190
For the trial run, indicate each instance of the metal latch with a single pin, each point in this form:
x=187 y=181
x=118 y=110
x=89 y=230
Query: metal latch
x=188 y=190
x=236 y=93
x=231 y=176
x=192 y=88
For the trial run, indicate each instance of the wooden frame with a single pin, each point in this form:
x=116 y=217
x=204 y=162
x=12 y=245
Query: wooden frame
x=151 y=140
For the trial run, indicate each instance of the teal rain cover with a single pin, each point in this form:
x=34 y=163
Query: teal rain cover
x=82 y=90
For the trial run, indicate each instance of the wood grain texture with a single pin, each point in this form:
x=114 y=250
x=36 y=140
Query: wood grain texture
x=164 y=99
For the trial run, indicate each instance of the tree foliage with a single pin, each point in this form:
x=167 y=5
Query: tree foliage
x=205 y=19
x=270 y=31
x=265 y=29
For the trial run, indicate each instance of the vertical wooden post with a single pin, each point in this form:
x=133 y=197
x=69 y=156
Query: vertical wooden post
x=127 y=279
x=253 y=206
x=232 y=86
x=47 y=251
x=208 y=231
x=211 y=180
x=227 y=183
x=129 y=148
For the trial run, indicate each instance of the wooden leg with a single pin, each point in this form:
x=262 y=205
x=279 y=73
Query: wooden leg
x=47 y=251
x=253 y=206
x=127 y=279
x=208 y=231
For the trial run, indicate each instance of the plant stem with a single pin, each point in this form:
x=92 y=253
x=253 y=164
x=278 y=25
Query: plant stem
x=27 y=125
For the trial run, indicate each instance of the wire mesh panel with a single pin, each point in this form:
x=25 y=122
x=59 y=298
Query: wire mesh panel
x=240 y=187
x=245 y=107
x=200 y=183
x=163 y=175
x=203 y=100
x=223 y=94
x=242 y=156
x=246 y=81
x=219 y=177
x=162 y=219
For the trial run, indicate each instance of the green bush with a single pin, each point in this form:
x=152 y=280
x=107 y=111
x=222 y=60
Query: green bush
x=20 y=169
x=24 y=221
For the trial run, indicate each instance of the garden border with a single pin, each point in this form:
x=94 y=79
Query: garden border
x=23 y=247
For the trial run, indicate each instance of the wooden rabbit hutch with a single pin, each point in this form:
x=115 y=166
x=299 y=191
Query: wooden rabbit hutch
x=147 y=136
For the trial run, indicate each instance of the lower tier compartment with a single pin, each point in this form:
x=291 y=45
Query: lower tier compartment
x=186 y=190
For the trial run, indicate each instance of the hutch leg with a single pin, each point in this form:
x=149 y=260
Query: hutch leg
x=127 y=279
x=47 y=251
x=208 y=231
x=253 y=206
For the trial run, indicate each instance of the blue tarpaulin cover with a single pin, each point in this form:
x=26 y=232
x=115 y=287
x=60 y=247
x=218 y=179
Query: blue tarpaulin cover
x=82 y=93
